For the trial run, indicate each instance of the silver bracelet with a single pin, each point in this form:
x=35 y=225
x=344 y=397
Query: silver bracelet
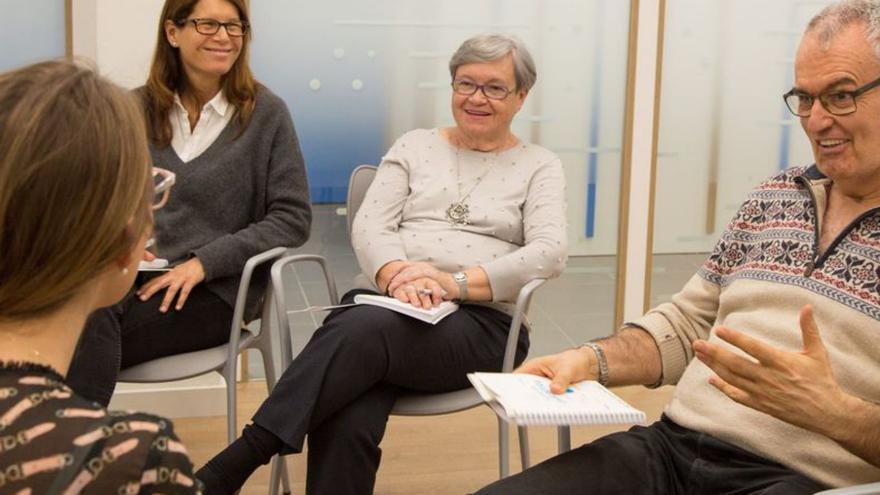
x=601 y=361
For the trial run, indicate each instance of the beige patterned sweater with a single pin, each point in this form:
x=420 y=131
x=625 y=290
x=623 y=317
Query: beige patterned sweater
x=762 y=271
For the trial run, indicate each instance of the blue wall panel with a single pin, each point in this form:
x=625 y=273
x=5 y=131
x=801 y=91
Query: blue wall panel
x=32 y=30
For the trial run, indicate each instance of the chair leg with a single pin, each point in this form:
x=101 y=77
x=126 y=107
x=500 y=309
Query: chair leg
x=278 y=470
x=264 y=345
x=503 y=449
x=231 y=417
x=285 y=481
x=563 y=438
x=274 y=475
x=524 y=447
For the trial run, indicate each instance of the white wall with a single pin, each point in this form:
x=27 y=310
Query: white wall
x=118 y=36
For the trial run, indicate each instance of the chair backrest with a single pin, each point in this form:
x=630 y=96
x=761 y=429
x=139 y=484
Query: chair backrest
x=358 y=183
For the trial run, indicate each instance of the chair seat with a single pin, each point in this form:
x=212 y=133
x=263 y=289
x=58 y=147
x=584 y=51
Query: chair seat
x=428 y=404
x=181 y=366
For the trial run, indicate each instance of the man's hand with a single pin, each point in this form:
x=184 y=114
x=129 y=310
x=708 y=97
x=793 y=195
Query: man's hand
x=796 y=387
x=178 y=281
x=565 y=368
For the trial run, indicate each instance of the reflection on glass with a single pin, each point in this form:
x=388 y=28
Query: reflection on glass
x=357 y=75
x=723 y=125
x=32 y=32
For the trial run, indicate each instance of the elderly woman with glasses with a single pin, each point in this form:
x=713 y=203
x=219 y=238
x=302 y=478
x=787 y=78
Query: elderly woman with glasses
x=241 y=189
x=74 y=185
x=468 y=213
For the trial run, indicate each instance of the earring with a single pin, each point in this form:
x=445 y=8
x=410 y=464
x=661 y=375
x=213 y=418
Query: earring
x=174 y=44
x=125 y=271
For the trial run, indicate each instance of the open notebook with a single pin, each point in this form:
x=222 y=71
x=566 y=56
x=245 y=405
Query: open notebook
x=527 y=400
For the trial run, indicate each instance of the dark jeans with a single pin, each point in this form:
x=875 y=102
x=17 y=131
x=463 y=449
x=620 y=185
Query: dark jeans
x=340 y=389
x=132 y=332
x=661 y=458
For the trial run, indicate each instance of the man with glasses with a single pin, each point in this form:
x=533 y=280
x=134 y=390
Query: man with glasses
x=783 y=318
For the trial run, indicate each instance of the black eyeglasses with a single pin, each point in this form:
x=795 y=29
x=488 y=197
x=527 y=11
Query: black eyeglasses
x=210 y=27
x=491 y=91
x=835 y=102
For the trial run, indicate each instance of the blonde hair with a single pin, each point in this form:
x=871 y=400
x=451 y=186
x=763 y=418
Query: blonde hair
x=167 y=75
x=75 y=183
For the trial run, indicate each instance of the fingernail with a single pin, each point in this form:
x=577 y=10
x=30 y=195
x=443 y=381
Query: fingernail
x=143 y=297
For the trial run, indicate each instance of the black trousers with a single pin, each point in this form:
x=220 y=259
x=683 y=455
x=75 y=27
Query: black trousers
x=663 y=458
x=134 y=331
x=340 y=389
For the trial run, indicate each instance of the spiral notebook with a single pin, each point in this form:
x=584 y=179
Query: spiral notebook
x=527 y=400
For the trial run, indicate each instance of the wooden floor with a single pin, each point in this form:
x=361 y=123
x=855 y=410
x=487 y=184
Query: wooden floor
x=452 y=454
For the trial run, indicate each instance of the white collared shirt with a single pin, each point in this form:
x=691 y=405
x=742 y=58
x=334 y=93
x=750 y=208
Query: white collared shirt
x=214 y=117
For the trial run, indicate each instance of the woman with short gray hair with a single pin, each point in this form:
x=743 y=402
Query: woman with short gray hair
x=490 y=47
x=468 y=213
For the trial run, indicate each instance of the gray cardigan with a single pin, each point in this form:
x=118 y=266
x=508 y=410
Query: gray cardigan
x=245 y=194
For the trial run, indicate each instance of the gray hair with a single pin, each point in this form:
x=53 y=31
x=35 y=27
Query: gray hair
x=828 y=23
x=491 y=47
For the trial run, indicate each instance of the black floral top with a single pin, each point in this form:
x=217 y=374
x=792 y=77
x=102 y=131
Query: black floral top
x=53 y=441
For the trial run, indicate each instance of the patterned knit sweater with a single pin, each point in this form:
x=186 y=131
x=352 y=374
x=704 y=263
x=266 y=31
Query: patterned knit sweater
x=763 y=270
x=53 y=441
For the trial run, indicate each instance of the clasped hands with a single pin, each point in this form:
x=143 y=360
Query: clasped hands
x=417 y=283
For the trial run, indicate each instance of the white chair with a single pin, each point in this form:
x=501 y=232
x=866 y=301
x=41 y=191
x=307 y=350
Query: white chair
x=225 y=357
x=409 y=404
x=867 y=489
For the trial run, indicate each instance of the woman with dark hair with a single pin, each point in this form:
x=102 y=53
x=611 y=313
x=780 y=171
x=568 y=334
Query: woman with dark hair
x=74 y=184
x=241 y=189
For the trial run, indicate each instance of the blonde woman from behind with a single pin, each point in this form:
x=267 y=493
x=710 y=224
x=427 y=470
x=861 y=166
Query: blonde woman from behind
x=75 y=213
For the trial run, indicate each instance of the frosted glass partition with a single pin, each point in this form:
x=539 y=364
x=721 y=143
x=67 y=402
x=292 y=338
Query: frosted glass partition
x=357 y=75
x=32 y=31
x=723 y=124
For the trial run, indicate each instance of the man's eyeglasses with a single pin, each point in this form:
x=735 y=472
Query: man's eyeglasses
x=835 y=102
x=491 y=91
x=210 y=27
x=162 y=182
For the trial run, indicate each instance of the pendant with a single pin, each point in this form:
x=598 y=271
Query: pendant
x=458 y=213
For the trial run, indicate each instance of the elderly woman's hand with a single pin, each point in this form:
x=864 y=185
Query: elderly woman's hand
x=422 y=293
x=420 y=270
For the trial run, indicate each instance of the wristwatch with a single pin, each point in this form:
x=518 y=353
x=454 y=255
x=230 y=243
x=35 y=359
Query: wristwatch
x=600 y=361
x=461 y=279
